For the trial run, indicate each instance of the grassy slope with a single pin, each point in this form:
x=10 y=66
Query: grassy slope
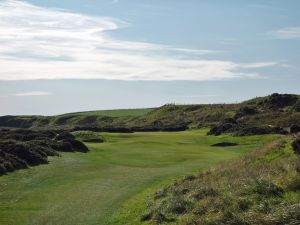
x=86 y=189
x=112 y=113
x=261 y=187
x=283 y=110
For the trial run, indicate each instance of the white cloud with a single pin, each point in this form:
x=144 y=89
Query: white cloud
x=258 y=65
x=33 y=93
x=44 y=43
x=286 y=33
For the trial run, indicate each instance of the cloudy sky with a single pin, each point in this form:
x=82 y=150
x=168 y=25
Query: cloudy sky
x=61 y=56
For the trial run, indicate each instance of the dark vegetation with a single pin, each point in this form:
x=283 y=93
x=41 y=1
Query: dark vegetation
x=262 y=187
x=234 y=127
x=296 y=148
x=21 y=148
x=271 y=114
x=295 y=129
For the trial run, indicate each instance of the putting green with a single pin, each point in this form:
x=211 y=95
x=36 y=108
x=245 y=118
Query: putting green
x=89 y=188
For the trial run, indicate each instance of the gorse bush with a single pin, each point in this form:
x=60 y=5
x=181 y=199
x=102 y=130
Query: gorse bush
x=296 y=107
x=295 y=129
x=277 y=101
x=23 y=147
x=240 y=129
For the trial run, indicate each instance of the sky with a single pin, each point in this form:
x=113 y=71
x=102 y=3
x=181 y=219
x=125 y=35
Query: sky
x=63 y=56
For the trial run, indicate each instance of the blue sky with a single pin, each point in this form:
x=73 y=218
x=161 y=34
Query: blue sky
x=63 y=56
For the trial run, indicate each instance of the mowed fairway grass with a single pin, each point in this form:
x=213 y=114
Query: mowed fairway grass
x=90 y=188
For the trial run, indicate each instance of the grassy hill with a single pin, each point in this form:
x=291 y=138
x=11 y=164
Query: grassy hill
x=276 y=110
x=89 y=188
x=112 y=113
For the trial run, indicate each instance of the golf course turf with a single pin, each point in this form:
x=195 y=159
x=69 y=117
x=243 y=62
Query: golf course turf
x=91 y=188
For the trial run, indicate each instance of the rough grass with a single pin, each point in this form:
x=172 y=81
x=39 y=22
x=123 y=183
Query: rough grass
x=261 y=187
x=89 y=189
x=88 y=136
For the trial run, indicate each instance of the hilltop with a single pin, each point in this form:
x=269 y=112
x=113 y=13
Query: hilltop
x=276 y=110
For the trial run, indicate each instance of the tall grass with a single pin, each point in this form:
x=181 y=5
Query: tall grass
x=261 y=187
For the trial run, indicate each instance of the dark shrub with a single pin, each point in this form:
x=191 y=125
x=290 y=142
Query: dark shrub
x=295 y=129
x=2 y=169
x=63 y=146
x=277 y=101
x=8 y=166
x=222 y=128
x=78 y=146
x=229 y=121
x=31 y=154
x=64 y=135
x=297 y=106
x=264 y=187
x=296 y=146
x=244 y=111
x=228 y=125
x=21 y=148
x=9 y=163
x=16 y=121
x=255 y=130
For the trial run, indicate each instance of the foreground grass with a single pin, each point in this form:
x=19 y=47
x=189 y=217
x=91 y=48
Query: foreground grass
x=261 y=187
x=91 y=188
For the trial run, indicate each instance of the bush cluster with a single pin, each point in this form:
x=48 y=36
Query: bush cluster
x=233 y=126
x=21 y=148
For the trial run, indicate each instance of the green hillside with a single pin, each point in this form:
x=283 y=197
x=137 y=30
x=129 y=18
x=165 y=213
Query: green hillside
x=279 y=110
x=112 y=113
